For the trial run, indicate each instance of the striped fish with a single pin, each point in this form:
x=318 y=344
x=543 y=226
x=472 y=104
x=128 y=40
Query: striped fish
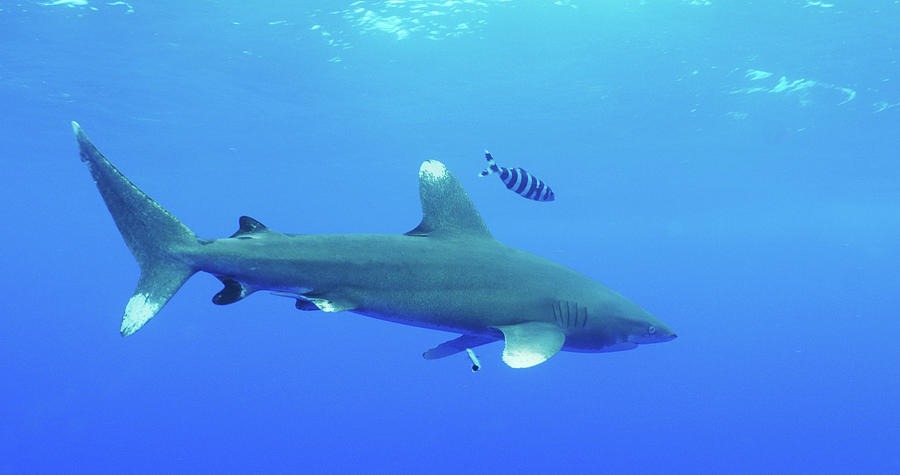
x=519 y=181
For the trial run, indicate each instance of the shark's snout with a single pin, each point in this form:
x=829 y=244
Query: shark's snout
x=664 y=332
x=667 y=337
x=661 y=333
x=651 y=330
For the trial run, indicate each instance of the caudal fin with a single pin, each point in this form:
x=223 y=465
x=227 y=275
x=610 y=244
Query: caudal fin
x=492 y=165
x=155 y=237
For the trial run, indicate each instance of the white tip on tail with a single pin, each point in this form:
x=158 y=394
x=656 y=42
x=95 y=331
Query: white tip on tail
x=139 y=310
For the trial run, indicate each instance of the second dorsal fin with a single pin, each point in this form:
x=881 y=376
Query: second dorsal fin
x=446 y=208
x=248 y=225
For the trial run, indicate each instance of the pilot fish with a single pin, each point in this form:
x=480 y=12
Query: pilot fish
x=519 y=181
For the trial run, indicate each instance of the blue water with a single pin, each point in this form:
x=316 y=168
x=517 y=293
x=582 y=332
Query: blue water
x=731 y=166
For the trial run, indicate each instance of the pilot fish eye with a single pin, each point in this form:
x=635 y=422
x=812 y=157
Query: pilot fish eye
x=652 y=329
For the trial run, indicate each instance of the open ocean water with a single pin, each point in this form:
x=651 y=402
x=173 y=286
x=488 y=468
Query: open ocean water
x=731 y=166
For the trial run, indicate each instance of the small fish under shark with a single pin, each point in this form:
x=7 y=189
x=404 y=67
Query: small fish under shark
x=448 y=274
x=519 y=181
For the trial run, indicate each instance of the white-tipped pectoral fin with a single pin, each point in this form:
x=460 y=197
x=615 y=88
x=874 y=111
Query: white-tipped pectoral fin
x=530 y=343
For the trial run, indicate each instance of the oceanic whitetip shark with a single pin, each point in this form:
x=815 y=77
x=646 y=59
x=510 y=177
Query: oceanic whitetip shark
x=447 y=274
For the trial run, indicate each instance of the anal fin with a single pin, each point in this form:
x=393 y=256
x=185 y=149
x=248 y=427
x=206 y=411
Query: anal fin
x=233 y=291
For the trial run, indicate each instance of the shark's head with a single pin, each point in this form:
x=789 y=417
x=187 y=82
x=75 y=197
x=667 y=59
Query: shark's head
x=624 y=325
x=641 y=327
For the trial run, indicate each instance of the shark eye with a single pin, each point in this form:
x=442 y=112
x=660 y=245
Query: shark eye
x=651 y=330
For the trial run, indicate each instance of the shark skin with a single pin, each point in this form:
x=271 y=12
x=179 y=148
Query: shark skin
x=447 y=274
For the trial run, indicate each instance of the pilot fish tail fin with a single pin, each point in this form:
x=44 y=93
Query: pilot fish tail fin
x=156 y=238
x=492 y=165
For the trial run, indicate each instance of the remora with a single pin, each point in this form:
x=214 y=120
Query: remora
x=447 y=274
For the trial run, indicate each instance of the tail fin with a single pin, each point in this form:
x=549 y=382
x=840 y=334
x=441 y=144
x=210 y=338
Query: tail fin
x=155 y=237
x=492 y=166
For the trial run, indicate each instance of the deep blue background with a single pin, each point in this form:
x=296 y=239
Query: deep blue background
x=763 y=225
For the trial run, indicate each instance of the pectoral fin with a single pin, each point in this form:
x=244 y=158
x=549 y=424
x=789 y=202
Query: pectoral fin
x=530 y=343
x=456 y=345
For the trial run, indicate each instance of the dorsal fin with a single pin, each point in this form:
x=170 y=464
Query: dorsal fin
x=249 y=225
x=446 y=207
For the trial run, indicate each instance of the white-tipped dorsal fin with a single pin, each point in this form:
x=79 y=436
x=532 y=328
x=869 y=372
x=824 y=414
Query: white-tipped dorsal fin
x=446 y=207
x=530 y=343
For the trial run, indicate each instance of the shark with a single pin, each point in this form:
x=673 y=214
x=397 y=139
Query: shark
x=448 y=273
